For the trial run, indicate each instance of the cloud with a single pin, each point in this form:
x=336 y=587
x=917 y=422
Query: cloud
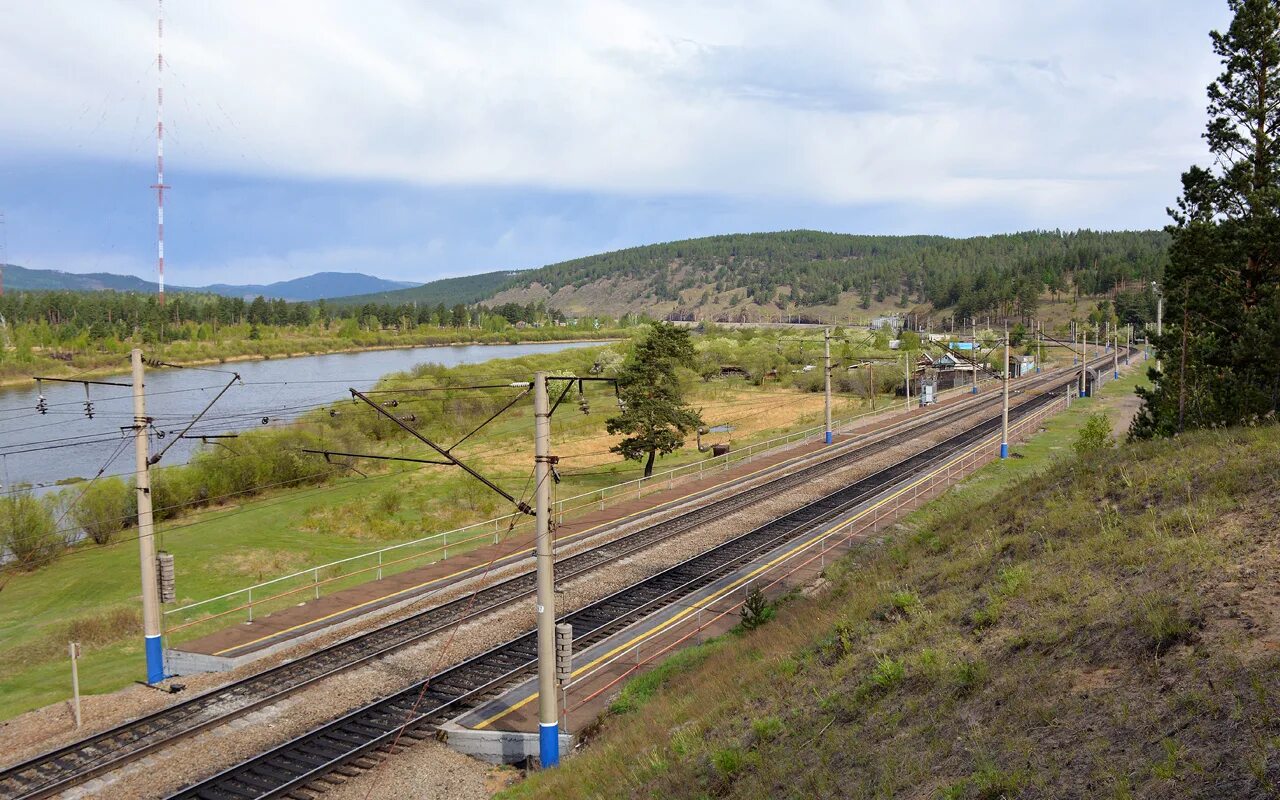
x=840 y=103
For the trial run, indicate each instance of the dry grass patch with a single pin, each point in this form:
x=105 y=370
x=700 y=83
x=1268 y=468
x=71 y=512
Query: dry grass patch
x=259 y=563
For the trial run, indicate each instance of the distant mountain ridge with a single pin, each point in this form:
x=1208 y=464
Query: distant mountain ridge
x=310 y=287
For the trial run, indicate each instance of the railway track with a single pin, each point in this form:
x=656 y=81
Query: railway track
x=350 y=739
x=75 y=763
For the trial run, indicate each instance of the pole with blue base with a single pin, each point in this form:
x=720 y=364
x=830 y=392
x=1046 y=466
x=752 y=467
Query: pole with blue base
x=826 y=371
x=146 y=529
x=548 y=713
x=973 y=353
x=1004 y=414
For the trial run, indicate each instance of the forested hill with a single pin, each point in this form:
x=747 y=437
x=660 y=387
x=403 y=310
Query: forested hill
x=467 y=289
x=755 y=275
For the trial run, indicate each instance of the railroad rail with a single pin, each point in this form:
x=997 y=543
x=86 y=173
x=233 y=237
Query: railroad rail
x=77 y=762
x=350 y=738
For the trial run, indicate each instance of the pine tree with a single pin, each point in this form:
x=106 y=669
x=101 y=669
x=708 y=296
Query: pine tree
x=1222 y=286
x=654 y=415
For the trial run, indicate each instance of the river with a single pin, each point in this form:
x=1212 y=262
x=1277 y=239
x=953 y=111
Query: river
x=42 y=449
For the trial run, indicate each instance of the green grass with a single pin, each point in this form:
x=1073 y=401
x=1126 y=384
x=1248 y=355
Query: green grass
x=1055 y=627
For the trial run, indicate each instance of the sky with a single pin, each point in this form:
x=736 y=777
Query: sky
x=416 y=140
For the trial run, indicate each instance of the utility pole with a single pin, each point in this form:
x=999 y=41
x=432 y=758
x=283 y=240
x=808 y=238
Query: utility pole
x=906 y=369
x=146 y=529
x=1159 y=319
x=1039 y=343
x=1115 y=358
x=1004 y=412
x=548 y=714
x=973 y=353
x=871 y=383
x=1080 y=354
x=826 y=372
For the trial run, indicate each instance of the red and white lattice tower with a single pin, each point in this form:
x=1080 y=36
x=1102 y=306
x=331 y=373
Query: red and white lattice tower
x=160 y=184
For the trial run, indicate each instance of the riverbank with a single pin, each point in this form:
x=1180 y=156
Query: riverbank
x=82 y=366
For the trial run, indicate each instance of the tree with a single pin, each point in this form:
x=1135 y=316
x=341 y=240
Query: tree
x=1094 y=435
x=654 y=418
x=1222 y=286
x=28 y=531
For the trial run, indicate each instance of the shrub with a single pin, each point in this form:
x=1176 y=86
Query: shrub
x=1094 y=435
x=389 y=502
x=766 y=728
x=1164 y=623
x=969 y=675
x=756 y=610
x=728 y=761
x=28 y=531
x=106 y=507
x=887 y=673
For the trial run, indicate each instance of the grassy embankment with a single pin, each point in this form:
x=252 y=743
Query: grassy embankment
x=1054 y=627
x=90 y=594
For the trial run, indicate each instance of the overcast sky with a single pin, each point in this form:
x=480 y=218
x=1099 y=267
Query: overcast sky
x=415 y=140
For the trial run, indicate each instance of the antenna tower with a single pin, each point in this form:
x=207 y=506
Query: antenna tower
x=160 y=184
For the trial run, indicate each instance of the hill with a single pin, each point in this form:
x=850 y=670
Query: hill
x=466 y=289
x=761 y=275
x=310 y=287
x=1106 y=628
x=22 y=279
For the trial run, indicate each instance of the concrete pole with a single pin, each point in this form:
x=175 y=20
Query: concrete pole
x=826 y=371
x=74 y=649
x=973 y=354
x=146 y=529
x=1039 y=343
x=1159 y=325
x=1004 y=412
x=548 y=714
x=1083 y=366
x=1115 y=358
x=906 y=369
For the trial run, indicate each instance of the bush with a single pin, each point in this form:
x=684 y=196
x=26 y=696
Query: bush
x=1095 y=435
x=107 y=506
x=28 y=531
x=756 y=610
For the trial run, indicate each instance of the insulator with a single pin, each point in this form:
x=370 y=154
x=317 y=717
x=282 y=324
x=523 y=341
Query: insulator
x=165 y=577
x=333 y=412
x=392 y=403
x=88 y=409
x=583 y=405
x=42 y=406
x=265 y=420
x=160 y=434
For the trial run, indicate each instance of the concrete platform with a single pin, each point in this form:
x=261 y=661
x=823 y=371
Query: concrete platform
x=235 y=646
